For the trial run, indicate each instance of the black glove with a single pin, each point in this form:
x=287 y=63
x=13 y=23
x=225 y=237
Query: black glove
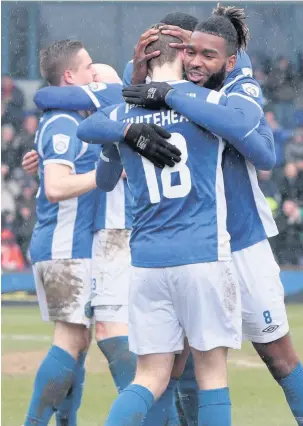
x=149 y=141
x=147 y=95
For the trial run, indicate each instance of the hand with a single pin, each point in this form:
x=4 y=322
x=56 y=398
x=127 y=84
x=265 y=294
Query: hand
x=141 y=58
x=183 y=35
x=148 y=95
x=149 y=140
x=30 y=162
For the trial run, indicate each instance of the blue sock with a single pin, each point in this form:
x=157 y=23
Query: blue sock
x=188 y=393
x=67 y=412
x=122 y=363
x=292 y=386
x=176 y=415
x=130 y=407
x=161 y=410
x=214 y=407
x=53 y=381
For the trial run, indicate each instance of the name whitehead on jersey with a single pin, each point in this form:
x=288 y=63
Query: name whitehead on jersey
x=162 y=118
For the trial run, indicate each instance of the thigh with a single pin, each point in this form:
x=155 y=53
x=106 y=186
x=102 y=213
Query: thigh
x=111 y=275
x=64 y=287
x=153 y=325
x=207 y=300
x=263 y=308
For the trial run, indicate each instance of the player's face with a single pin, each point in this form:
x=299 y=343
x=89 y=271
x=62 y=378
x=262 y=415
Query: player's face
x=83 y=72
x=205 y=60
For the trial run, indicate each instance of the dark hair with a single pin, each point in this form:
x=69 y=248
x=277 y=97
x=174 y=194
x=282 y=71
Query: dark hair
x=168 y=54
x=56 y=58
x=227 y=22
x=180 y=19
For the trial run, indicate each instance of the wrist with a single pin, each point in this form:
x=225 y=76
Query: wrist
x=126 y=130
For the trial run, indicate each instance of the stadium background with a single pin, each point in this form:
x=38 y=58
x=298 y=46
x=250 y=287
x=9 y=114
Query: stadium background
x=110 y=30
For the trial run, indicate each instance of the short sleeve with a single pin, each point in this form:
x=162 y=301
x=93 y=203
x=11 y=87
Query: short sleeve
x=60 y=143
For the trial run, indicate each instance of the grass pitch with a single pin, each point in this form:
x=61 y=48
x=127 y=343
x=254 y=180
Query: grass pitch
x=257 y=399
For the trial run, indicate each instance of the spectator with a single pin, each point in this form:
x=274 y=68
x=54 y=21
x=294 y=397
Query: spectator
x=26 y=218
x=9 y=190
x=292 y=184
x=281 y=87
x=8 y=148
x=281 y=137
x=288 y=244
x=11 y=255
x=12 y=102
x=8 y=220
x=24 y=141
x=294 y=150
x=270 y=190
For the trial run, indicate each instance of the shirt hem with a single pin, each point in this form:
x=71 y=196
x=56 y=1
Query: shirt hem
x=177 y=263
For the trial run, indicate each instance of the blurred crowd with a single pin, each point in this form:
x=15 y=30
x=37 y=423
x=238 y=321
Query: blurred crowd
x=282 y=86
x=18 y=128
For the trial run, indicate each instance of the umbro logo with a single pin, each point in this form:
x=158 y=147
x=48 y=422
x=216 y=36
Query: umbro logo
x=270 y=329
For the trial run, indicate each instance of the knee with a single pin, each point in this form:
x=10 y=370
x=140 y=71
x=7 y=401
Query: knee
x=155 y=381
x=101 y=331
x=73 y=338
x=279 y=357
x=279 y=366
x=108 y=329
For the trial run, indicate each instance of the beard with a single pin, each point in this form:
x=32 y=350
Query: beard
x=216 y=80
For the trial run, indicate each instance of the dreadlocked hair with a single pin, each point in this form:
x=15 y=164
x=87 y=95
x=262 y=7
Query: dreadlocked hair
x=227 y=22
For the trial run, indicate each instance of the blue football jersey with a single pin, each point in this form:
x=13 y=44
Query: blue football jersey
x=114 y=209
x=249 y=218
x=179 y=212
x=64 y=229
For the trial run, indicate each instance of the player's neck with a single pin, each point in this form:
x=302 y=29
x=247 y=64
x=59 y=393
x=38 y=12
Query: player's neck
x=167 y=72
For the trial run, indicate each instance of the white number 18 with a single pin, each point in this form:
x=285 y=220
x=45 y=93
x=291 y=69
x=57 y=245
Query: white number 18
x=169 y=191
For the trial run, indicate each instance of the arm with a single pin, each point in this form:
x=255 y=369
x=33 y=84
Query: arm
x=233 y=118
x=61 y=184
x=77 y=98
x=73 y=98
x=109 y=168
x=260 y=147
x=99 y=128
x=232 y=122
x=237 y=122
x=59 y=150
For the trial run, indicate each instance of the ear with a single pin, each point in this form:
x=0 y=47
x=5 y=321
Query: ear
x=231 y=62
x=68 y=77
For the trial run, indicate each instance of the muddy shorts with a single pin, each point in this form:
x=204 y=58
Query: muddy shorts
x=63 y=288
x=110 y=275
